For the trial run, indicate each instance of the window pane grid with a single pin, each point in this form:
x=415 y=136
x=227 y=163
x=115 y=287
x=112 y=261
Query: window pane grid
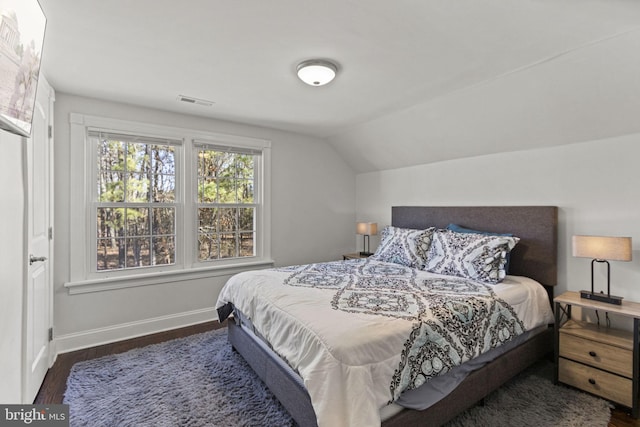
x=135 y=172
x=225 y=177
x=135 y=209
x=135 y=237
x=225 y=232
x=225 y=204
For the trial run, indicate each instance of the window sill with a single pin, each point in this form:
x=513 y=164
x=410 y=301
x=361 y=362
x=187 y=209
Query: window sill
x=146 y=279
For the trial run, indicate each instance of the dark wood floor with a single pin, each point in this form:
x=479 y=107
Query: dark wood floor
x=622 y=419
x=53 y=388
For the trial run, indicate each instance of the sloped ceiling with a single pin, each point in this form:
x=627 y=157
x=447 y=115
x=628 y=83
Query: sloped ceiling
x=418 y=81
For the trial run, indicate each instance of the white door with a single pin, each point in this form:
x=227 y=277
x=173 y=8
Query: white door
x=38 y=292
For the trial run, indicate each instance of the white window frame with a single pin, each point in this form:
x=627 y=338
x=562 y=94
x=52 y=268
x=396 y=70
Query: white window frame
x=224 y=145
x=93 y=202
x=83 y=274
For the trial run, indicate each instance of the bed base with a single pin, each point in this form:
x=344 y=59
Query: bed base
x=277 y=376
x=289 y=390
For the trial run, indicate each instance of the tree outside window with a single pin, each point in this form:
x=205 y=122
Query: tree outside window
x=135 y=210
x=226 y=203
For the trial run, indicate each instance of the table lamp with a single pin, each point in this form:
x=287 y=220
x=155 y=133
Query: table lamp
x=602 y=249
x=366 y=229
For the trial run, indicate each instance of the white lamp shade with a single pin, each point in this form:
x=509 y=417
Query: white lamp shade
x=316 y=72
x=367 y=228
x=601 y=247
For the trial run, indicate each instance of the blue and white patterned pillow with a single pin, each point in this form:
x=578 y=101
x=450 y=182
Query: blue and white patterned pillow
x=404 y=246
x=475 y=256
x=459 y=229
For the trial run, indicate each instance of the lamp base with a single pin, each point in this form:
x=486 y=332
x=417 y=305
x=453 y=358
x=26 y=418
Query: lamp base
x=366 y=253
x=602 y=297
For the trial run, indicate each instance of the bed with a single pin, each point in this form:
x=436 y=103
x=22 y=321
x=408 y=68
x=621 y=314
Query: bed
x=534 y=257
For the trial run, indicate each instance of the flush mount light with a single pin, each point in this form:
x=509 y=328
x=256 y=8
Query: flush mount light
x=317 y=72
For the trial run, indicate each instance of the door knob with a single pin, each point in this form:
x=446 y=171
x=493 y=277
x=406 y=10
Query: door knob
x=33 y=259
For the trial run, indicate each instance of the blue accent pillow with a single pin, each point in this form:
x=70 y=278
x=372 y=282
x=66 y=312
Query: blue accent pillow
x=459 y=229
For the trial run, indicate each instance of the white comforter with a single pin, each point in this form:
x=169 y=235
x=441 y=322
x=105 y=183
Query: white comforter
x=343 y=327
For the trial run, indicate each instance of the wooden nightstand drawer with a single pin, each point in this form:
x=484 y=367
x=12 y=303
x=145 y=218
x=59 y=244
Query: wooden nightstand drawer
x=595 y=381
x=597 y=354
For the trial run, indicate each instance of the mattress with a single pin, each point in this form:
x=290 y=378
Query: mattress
x=346 y=327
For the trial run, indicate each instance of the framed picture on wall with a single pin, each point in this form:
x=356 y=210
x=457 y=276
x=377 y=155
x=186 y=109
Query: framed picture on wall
x=22 y=28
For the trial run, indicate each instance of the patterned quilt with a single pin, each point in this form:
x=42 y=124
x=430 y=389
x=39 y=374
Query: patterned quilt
x=361 y=332
x=454 y=319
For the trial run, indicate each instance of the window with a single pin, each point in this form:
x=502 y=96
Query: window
x=160 y=201
x=227 y=205
x=135 y=209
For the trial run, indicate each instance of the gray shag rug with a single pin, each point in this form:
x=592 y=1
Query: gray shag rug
x=200 y=381
x=531 y=399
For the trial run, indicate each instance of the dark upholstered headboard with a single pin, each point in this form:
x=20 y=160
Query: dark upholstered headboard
x=534 y=256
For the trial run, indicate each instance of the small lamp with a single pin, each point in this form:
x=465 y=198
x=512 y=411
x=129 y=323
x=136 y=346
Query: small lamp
x=602 y=249
x=366 y=229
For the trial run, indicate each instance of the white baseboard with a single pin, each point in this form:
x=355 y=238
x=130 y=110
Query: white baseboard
x=124 y=331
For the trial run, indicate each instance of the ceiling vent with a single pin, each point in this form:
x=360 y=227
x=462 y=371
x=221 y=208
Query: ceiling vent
x=195 y=101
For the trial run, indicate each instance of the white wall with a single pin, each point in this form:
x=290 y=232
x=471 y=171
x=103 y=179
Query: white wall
x=596 y=186
x=12 y=266
x=313 y=215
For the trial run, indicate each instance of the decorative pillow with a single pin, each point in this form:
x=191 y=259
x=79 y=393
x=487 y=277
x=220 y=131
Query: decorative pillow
x=404 y=246
x=475 y=256
x=460 y=229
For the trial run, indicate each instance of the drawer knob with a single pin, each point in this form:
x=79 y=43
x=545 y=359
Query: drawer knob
x=592 y=353
x=592 y=381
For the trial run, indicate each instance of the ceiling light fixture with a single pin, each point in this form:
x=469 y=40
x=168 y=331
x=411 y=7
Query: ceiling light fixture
x=317 y=72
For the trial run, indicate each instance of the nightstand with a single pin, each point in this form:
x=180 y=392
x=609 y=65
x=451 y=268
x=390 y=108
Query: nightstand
x=597 y=359
x=355 y=255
